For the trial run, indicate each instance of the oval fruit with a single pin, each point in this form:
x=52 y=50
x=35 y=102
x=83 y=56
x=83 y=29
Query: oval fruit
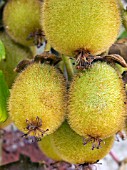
x=37 y=102
x=24 y=20
x=69 y=146
x=97 y=102
x=73 y=25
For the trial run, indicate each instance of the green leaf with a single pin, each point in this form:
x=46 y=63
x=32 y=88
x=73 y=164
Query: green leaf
x=2 y=51
x=123 y=35
x=4 y=94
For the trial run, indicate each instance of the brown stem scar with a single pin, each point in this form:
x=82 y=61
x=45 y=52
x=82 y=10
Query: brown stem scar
x=96 y=142
x=84 y=59
x=37 y=37
x=35 y=126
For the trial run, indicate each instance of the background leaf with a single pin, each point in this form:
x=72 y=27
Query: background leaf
x=2 y=51
x=4 y=94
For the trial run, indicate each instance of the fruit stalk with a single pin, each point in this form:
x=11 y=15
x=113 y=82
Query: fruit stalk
x=69 y=68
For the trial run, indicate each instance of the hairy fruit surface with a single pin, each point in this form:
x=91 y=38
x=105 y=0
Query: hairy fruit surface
x=72 y=25
x=21 y=18
x=37 y=101
x=48 y=149
x=69 y=146
x=97 y=102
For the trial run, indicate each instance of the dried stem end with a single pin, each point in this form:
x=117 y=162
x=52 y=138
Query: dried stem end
x=35 y=128
x=96 y=142
x=84 y=59
x=37 y=36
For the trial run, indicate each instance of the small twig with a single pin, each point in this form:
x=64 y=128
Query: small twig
x=115 y=158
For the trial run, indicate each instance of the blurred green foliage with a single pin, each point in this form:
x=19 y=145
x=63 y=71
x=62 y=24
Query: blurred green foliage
x=2 y=51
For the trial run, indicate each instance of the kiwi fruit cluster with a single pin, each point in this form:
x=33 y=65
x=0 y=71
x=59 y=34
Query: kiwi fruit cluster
x=77 y=119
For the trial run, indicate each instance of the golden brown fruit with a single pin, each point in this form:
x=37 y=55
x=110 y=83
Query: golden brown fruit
x=69 y=146
x=97 y=102
x=37 y=102
x=21 y=18
x=92 y=25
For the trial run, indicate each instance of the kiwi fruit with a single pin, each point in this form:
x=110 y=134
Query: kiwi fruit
x=14 y=54
x=21 y=18
x=97 y=102
x=38 y=98
x=73 y=25
x=48 y=149
x=69 y=146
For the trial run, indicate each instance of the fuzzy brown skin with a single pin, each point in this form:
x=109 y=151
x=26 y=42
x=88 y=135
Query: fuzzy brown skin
x=71 y=25
x=97 y=102
x=69 y=146
x=24 y=19
x=38 y=98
